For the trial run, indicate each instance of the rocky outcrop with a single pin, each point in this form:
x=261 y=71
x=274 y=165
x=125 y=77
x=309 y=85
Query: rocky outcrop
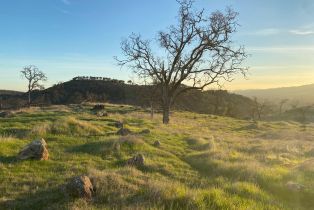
x=35 y=150
x=80 y=187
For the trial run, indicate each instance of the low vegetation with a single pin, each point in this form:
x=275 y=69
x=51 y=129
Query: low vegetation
x=202 y=162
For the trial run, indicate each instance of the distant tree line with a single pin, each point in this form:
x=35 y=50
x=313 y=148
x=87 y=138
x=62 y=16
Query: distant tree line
x=98 y=78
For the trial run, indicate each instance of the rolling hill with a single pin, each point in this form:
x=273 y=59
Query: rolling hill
x=78 y=90
x=303 y=94
x=10 y=92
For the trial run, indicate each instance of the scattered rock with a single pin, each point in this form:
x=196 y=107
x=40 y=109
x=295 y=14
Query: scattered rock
x=102 y=114
x=252 y=126
x=35 y=150
x=98 y=107
x=137 y=160
x=116 y=124
x=6 y=114
x=294 y=186
x=124 y=132
x=145 y=131
x=157 y=143
x=80 y=187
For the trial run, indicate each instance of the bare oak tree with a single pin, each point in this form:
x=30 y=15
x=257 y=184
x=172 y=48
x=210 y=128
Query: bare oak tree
x=193 y=54
x=34 y=76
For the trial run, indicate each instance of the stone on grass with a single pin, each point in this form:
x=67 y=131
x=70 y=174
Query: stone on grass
x=124 y=132
x=157 y=143
x=145 y=131
x=80 y=187
x=294 y=186
x=116 y=124
x=137 y=160
x=102 y=114
x=252 y=126
x=6 y=114
x=98 y=107
x=35 y=150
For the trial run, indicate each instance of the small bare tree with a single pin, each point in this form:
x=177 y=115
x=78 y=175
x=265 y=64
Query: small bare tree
x=281 y=105
x=260 y=109
x=34 y=76
x=193 y=54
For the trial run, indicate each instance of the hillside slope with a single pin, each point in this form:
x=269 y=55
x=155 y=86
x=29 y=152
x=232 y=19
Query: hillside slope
x=303 y=94
x=203 y=161
x=77 y=91
x=10 y=92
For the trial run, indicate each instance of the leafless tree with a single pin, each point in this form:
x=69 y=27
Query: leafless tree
x=193 y=54
x=34 y=77
x=281 y=105
x=260 y=109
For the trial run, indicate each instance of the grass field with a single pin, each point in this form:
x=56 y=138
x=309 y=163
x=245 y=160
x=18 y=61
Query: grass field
x=203 y=162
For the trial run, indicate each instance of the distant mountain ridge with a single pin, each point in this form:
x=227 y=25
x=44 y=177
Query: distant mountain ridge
x=303 y=94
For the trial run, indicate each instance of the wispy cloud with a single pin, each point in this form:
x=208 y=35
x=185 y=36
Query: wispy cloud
x=67 y=2
x=264 y=32
x=279 y=49
x=302 y=32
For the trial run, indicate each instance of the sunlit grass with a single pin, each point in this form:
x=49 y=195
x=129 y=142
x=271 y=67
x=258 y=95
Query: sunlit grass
x=203 y=162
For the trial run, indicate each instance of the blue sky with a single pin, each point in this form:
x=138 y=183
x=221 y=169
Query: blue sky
x=67 y=38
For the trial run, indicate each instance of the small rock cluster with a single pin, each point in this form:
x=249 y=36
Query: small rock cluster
x=35 y=150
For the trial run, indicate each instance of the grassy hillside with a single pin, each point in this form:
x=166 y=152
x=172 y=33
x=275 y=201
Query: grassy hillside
x=219 y=102
x=204 y=161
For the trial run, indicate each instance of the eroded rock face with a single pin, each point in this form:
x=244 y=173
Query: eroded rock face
x=137 y=160
x=35 y=150
x=80 y=187
x=124 y=132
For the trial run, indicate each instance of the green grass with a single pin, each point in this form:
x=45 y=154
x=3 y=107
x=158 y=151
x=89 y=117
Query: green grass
x=203 y=162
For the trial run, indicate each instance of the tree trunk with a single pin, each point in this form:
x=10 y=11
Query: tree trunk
x=166 y=103
x=29 y=98
x=151 y=110
x=166 y=113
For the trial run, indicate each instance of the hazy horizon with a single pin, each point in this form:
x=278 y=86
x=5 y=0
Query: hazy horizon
x=67 y=38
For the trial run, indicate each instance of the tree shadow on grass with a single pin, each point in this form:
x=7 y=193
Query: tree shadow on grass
x=52 y=198
x=8 y=159
x=92 y=148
